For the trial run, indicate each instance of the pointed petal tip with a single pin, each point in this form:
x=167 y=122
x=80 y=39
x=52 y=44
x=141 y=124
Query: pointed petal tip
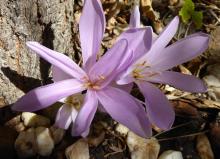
x=176 y=18
x=175 y=21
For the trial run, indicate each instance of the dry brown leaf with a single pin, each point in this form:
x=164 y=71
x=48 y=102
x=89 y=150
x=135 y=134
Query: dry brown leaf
x=78 y=150
x=16 y=123
x=185 y=109
x=142 y=148
x=96 y=140
x=146 y=7
x=148 y=11
x=203 y=147
x=215 y=132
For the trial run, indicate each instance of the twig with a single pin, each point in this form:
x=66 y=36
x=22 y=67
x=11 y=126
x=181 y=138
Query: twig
x=183 y=136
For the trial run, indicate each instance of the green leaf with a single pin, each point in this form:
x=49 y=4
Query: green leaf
x=197 y=18
x=187 y=10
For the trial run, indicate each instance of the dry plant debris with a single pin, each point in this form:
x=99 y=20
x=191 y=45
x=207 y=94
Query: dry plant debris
x=141 y=148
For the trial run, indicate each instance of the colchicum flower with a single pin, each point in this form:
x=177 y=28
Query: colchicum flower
x=95 y=77
x=154 y=65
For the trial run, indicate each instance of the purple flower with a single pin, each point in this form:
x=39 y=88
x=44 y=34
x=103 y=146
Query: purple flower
x=95 y=77
x=154 y=65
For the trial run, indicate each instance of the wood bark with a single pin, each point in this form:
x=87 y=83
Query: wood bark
x=50 y=22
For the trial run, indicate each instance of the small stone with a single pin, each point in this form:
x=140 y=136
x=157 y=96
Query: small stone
x=44 y=141
x=78 y=150
x=123 y=130
x=25 y=144
x=142 y=148
x=170 y=154
x=34 y=120
x=57 y=134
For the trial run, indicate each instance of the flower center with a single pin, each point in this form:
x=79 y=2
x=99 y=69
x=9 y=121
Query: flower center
x=142 y=71
x=95 y=85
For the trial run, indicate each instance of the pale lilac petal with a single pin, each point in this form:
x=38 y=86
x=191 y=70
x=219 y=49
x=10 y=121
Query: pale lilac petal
x=123 y=108
x=139 y=40
x=111 y=64
x=85 y=115
x=74 y=114
x=57 y=59
x=125 y=80
x=159 y=110
x=162 y=41
x=181 y=81
x=59 y=75
x=44 y=96
x=64 y=116
x=125 y=87
x=135 y=17
x=182 y=51
x=91 y=28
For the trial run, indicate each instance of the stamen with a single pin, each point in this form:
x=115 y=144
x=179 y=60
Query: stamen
x=101 y=77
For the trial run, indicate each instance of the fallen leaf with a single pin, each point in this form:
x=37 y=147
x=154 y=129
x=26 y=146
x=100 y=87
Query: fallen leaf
x=148 y=11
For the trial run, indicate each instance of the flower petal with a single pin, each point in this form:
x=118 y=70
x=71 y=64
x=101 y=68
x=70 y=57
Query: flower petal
x=181 y=81
x=85 y=115
x=91 y=28
x=125 y=87
x=139 y=40
x=124 y=109
x=57 y=59
x=111 y=64
x=135 y=17
x=44 y=96
x=159 y=110
x=64 y=116
x=182 y=51
x=59 y=75
x=125 y=79
x=162 y=41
